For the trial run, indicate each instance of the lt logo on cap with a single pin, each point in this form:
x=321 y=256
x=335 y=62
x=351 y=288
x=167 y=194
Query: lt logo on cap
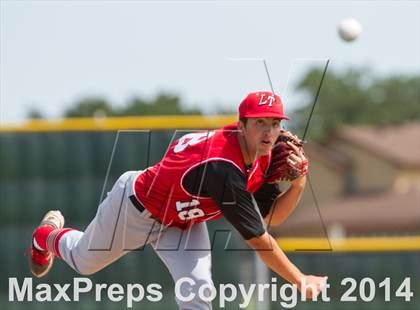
x=269 y=99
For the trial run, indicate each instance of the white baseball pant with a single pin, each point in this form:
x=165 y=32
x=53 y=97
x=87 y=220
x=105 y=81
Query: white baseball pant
x=119 y=227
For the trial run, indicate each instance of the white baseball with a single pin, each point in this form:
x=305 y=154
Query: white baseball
x=349 y=29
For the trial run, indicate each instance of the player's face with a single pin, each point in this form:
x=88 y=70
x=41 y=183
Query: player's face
x=261 y=134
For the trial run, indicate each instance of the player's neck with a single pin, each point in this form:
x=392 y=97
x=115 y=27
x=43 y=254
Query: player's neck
x=248 y=155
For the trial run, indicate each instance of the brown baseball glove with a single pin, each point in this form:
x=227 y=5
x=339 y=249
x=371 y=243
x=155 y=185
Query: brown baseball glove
x=288 y=160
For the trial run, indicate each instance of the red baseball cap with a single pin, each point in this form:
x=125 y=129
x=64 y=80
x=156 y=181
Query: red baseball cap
x=262 y=104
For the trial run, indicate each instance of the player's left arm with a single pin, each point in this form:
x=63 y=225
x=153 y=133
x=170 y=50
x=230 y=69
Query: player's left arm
x=288 y=163
x=285 y=202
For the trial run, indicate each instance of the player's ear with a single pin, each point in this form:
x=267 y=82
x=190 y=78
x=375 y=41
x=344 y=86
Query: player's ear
x=241 y=126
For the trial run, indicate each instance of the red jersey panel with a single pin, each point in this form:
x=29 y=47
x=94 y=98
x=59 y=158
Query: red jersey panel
x=159 y=188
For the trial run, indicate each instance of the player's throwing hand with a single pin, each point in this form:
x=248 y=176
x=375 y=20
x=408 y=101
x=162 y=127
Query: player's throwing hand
x=310 y=286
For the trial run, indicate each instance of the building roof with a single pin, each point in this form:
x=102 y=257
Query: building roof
x=399 y=144
x=378 y=213
x=328 y=156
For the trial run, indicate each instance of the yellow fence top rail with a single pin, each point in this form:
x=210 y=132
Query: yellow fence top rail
x=122 y=123
x=359 y=244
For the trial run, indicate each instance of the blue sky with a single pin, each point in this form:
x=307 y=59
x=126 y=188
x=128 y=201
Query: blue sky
x=55 y=52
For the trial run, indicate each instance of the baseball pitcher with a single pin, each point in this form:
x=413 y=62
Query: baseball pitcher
x=231 y=172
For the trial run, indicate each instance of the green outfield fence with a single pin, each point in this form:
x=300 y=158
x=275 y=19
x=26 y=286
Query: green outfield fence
x=62 y=165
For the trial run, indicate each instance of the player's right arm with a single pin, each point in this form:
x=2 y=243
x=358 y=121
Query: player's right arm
x=226 y=185
x=274 y=257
